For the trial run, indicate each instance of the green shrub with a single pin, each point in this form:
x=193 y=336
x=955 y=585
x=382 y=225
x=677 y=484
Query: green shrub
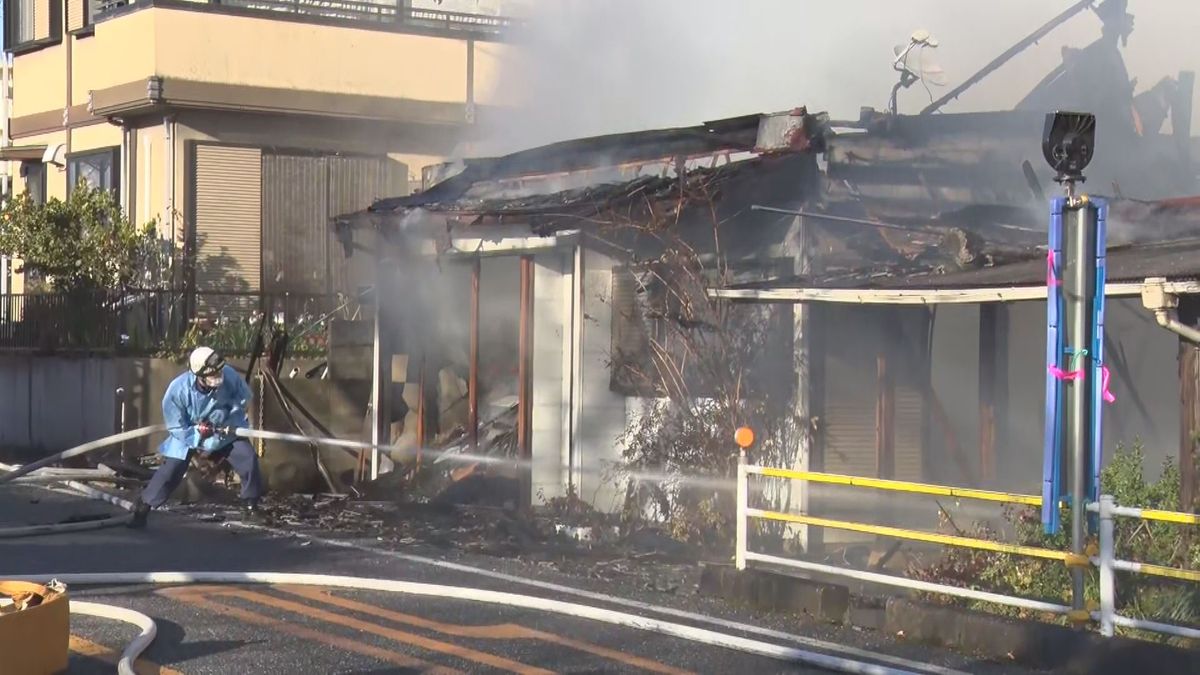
x=1138 y=596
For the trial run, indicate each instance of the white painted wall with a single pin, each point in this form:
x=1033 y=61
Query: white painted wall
x=551 y=332
x=602 y=421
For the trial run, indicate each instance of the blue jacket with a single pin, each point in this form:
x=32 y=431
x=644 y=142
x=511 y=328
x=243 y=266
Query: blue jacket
x=185 y=406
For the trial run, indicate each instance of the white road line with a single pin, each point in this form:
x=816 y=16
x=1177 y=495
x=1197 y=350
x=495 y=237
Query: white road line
x=814 y=643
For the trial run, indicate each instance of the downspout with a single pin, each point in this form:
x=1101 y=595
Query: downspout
x=68 y=40
x=1163 y=304
x=169 y=183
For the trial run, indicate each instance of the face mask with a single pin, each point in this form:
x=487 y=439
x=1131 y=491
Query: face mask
x=212 y=381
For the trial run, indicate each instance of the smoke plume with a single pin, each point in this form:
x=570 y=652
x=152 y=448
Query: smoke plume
x=589 y=67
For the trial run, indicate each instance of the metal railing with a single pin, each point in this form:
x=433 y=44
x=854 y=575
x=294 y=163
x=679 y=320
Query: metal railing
x=1108 y=564
x=152 y=321
x=360 y=11
x=1104 y=559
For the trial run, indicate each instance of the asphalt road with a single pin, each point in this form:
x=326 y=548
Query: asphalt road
x=269 y=629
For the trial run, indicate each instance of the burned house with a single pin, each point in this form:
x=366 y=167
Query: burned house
x=898 y=263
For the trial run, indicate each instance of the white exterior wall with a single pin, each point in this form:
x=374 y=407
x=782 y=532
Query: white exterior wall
x=602 y=418
x=551 y=335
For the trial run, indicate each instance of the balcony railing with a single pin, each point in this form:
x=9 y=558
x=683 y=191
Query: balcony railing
x=384 y=13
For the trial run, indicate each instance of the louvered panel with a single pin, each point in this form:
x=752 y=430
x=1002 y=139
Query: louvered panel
x=354 y=184
x=910 y=414
x=42 y=19
x=849 y=417
x=295 y=228
x=228 y=213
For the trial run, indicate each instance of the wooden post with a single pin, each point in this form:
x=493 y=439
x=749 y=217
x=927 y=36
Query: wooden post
x=987 y=393
x=1189 y=413
x=524 y=388
x=473 y=376
x=885 y=419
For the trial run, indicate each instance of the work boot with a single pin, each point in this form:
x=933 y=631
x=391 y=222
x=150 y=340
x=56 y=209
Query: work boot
x=252 y=513
x=141 y=511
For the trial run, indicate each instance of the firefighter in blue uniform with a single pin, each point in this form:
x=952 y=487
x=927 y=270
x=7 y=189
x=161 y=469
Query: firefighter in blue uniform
x=201 y=408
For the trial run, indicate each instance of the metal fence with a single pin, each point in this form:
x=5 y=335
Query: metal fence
x=350 y=11
x=140 y=322
x=1104 y=558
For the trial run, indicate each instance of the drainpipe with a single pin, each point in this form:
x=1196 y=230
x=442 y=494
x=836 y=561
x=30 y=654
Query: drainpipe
x=68 y=40
x=169 y=183
x=1163 y=304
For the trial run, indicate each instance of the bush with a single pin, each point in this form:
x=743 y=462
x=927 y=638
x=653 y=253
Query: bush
x=1138 y=596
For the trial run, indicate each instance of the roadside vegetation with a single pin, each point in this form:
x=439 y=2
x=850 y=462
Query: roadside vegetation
x=1138 y=596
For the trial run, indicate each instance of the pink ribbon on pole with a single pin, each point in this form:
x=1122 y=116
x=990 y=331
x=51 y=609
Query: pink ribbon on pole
x=1051 y=280
x=1064 y=375
x=1108 y=395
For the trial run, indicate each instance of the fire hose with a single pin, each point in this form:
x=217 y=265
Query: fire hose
x=148 y=629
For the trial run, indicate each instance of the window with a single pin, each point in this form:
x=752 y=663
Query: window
x=97 y=168
x=35 y=180
x=19 y=22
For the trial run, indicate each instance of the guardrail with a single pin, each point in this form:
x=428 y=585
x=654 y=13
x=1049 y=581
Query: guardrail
x=1109 y=564
x=1105 y=559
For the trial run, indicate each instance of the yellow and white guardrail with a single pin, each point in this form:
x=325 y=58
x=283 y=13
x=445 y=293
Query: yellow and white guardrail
x=1105 y=561
x=1108 y=564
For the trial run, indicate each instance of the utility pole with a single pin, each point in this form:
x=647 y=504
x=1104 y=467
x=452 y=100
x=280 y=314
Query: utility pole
x=1080 y=225
x=1075 y=379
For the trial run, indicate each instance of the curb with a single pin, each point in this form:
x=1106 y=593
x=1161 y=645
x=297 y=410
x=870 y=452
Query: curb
x=777 y=592
x=1033 y=644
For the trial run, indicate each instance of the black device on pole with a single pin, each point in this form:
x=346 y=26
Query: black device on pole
x=1068 y=143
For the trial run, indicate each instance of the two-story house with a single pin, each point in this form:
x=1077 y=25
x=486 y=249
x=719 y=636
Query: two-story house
x=241 y=126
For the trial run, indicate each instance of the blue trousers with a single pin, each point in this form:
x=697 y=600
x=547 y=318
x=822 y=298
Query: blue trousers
x=241 y=457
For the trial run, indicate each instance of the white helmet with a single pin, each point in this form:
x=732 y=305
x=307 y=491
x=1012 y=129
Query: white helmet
x=208 y=365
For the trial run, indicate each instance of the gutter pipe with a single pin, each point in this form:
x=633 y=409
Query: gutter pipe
x=1163 y=304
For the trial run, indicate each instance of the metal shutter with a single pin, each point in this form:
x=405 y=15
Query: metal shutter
x=850 y=415
x=76 y=14
x=295 y=226
x=228 y=229
x=354 y=184
x=909 y=417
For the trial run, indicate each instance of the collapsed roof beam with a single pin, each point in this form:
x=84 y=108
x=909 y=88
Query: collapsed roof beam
x=1004 y=58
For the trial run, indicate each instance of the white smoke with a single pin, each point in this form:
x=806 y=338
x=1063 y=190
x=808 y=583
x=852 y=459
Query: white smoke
x=591 y=67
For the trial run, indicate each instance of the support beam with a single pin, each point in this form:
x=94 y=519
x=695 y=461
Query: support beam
x=422 y=408
x=932 y=296
x=1189 y=414
x=381 y=368
x=524 y=388
x=473 y=368
x=988 y=366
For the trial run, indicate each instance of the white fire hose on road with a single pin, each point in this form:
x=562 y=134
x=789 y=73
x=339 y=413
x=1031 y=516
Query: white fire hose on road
x=676 y=630
x=147 y=628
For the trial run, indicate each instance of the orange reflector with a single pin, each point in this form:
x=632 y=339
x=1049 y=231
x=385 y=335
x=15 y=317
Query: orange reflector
x=744 y=437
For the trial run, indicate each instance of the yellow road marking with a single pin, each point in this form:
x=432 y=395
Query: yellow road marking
x=506 y=631
x=346 y=644
x=85 y=647
x=459 y=651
